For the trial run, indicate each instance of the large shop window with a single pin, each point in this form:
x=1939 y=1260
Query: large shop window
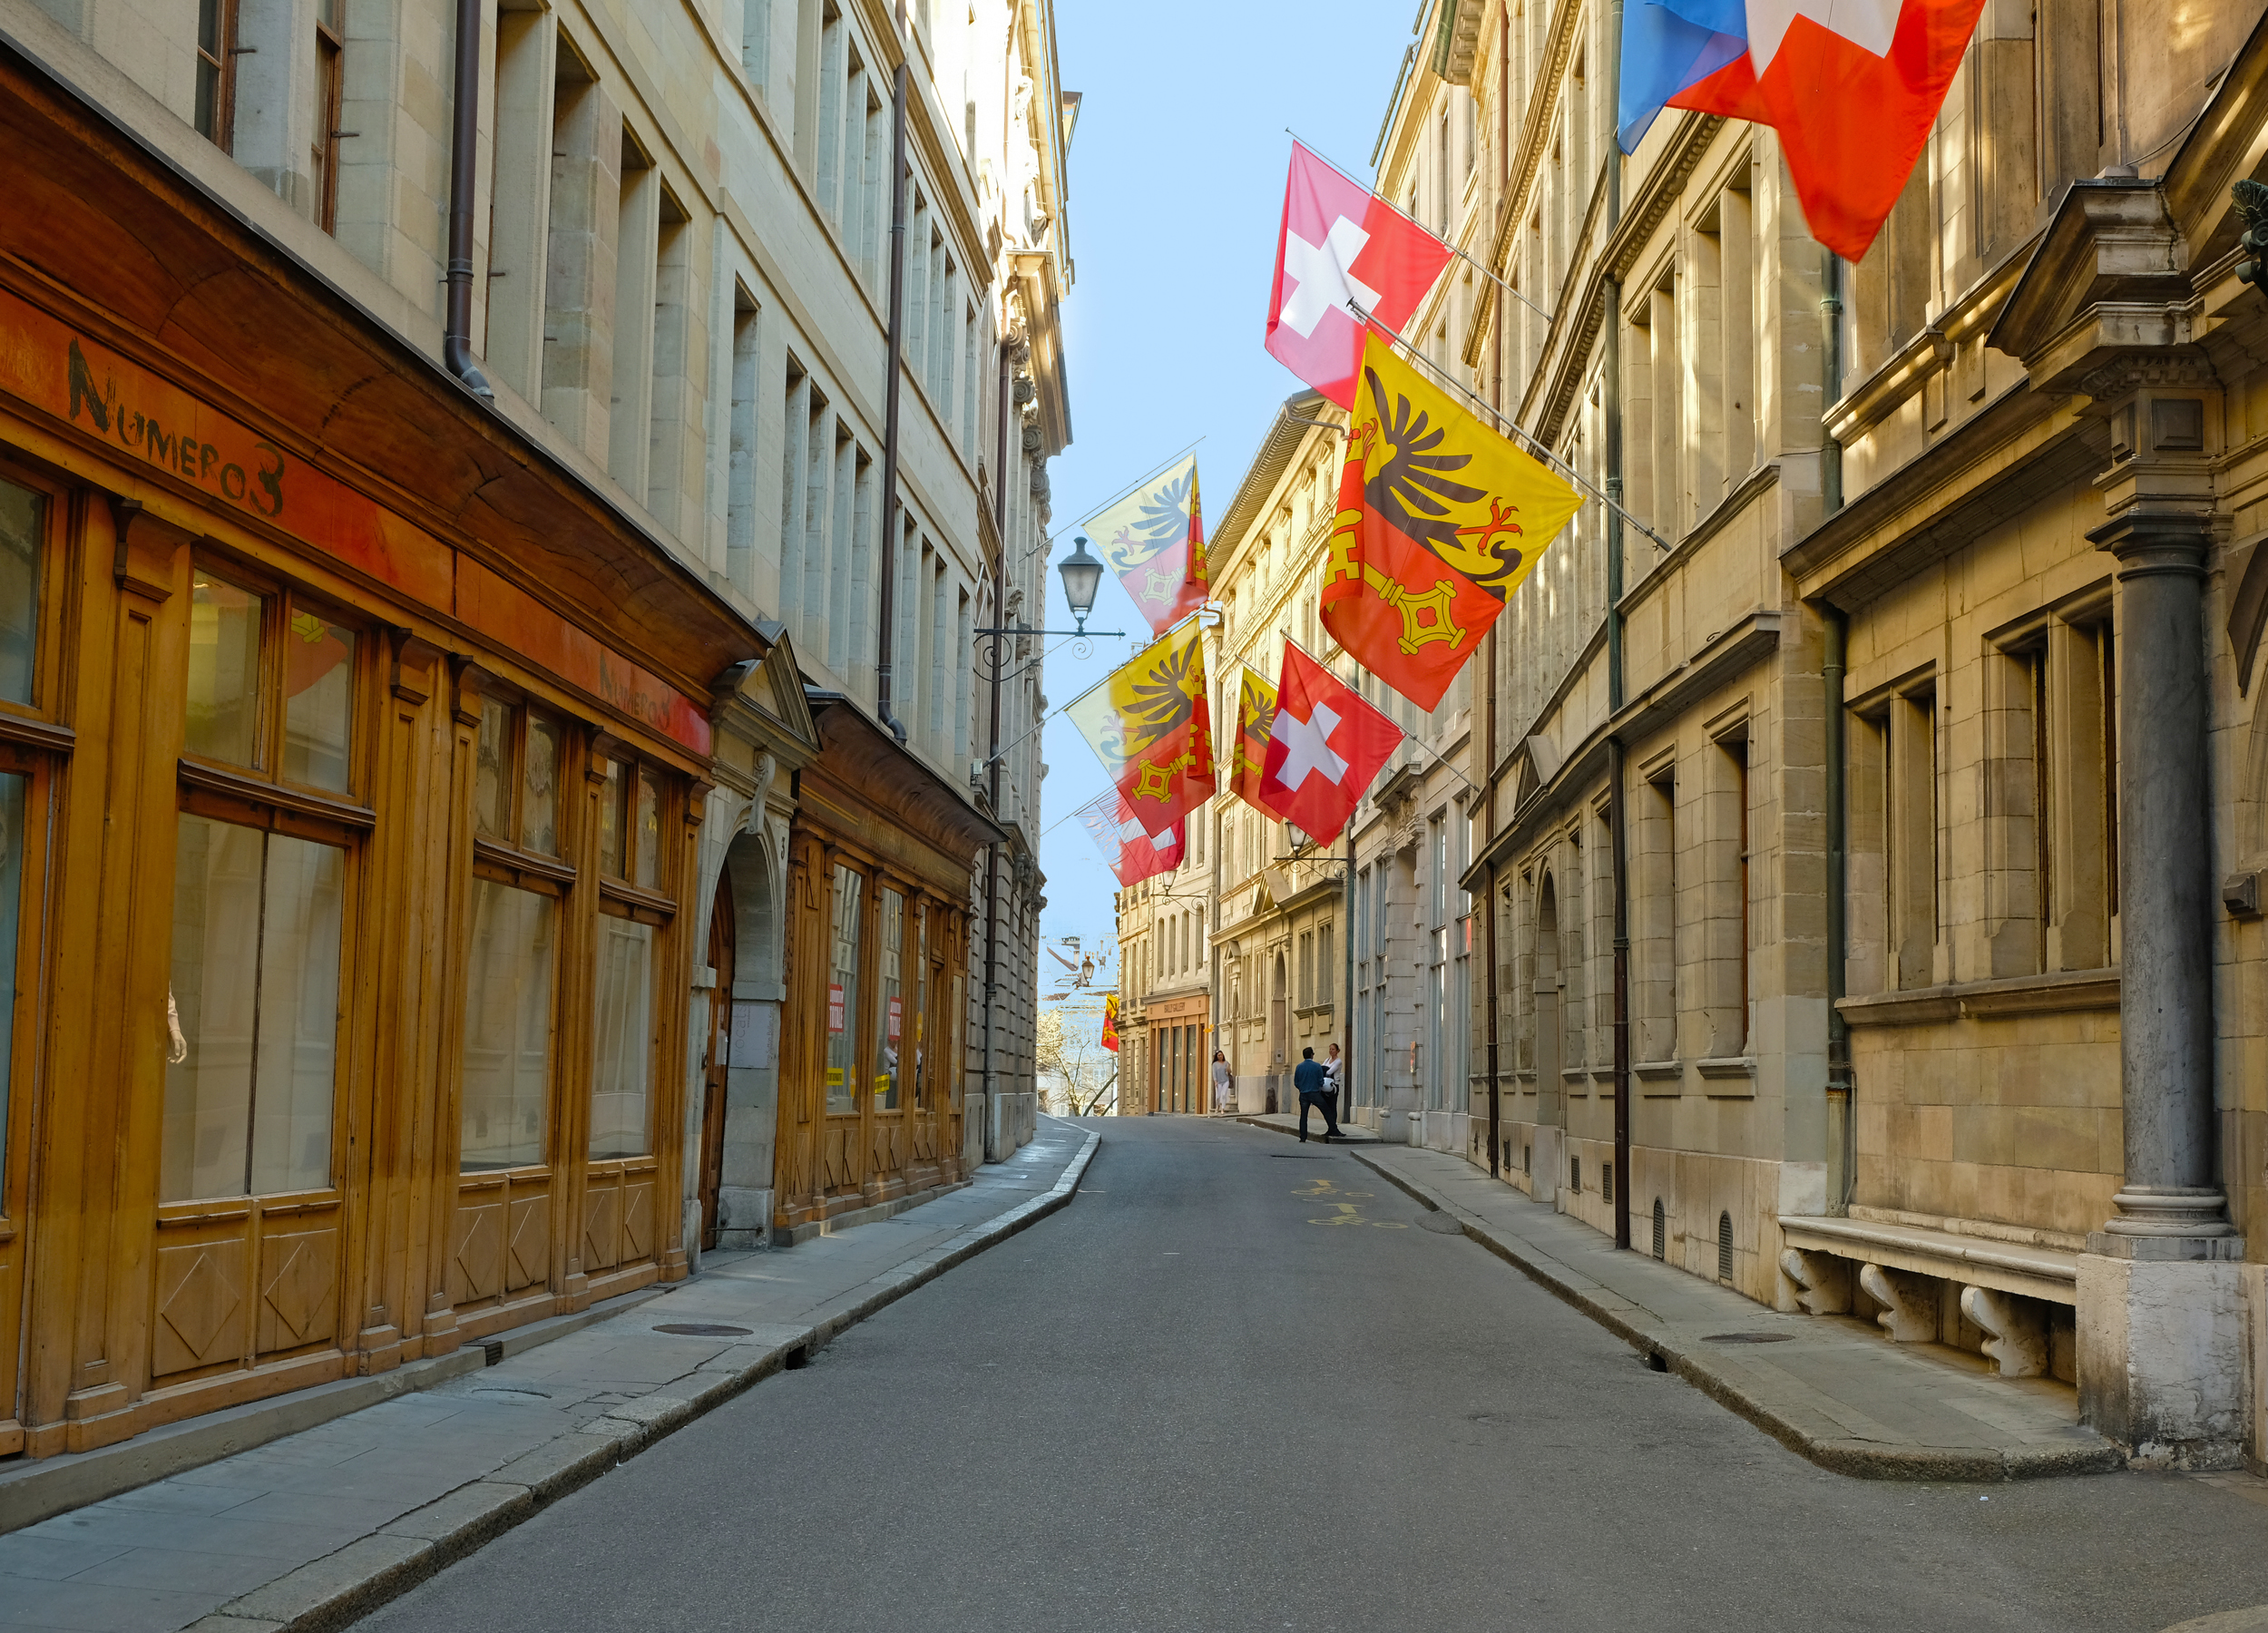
x=842 y=993
x=260 y=889
x=632 y=913
x=249 y=1077
x=622 y=1067
x=890 y=1014
x=25 y=516
x=519 y=886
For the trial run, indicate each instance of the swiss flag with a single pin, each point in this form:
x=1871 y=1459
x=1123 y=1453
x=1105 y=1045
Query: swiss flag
x=1853 y=87
x=1341 y=242
x=1325 y=746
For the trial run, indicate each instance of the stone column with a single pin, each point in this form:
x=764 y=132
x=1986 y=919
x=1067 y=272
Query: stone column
x=2160 y=1309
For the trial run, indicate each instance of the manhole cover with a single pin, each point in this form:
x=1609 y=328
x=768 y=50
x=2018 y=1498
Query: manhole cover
x=1440 y=1224
x=704 y=1329
x=1748 y=1338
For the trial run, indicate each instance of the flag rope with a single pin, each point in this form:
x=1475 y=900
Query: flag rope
x=1421 y=226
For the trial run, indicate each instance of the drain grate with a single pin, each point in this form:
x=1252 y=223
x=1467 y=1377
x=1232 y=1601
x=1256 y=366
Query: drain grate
x=1748 y=1338
x=703 y=1329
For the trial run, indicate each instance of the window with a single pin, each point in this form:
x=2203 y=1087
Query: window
x=258 y=914
x=890 y=1013
x=1324 y=967
x=623 y=1055
x=245 y=645
x=756 y=43
x=330 y=80
x=254 y=1008
x=22 y=530
x=629 y=825
x=923 y=1075
x=508 y=1027
x=519 y=880
x=216 y=72
x=842 y=993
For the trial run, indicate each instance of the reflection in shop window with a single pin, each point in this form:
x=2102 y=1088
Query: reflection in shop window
x=539 y=788
x=318 y=701
x=248 y=1086
x=12 y=791
x=508 y=1026
x=519 y=762
x=649 y=833
x=842 y=994
x=921 y=1005
x=22 y=526
x=623 y=1053
x=890 y=1013
x=224 y=705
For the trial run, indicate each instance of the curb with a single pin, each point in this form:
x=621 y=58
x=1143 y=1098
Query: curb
x=1270 y=1127
x=344 y=1586
x=1860 y=1460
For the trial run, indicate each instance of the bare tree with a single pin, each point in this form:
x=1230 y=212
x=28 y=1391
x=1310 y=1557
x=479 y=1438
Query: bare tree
x=1067 y=1053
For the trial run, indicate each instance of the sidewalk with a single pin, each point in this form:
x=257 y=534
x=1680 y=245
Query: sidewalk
x=318 y=1527
x=1833 y=1388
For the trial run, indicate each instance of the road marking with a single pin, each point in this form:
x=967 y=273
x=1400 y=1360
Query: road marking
x=1322 y=1190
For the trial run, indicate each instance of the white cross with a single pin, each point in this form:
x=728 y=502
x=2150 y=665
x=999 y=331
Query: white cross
x=1308 y=746
x=1869 y=25
x=1324 y=279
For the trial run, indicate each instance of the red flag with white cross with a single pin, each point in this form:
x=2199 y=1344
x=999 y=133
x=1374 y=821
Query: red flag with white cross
x=1342 y=248
x=1323 y=748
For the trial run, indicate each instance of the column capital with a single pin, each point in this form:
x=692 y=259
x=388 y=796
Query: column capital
x=2148 y=541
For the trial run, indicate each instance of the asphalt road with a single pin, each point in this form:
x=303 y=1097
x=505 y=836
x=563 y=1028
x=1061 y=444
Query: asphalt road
x=1237 y=1384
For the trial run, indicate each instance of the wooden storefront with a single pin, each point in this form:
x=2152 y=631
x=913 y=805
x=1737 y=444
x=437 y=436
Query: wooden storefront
x=352 y=756
x=1180 y=1054
x=872 y=1051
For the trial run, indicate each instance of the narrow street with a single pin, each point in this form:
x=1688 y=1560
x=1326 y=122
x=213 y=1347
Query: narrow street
x=1237 y=1383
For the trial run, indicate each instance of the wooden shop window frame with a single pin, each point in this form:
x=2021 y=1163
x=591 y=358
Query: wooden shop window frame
x=284 y=603
x=506 y=855
x=63 y=523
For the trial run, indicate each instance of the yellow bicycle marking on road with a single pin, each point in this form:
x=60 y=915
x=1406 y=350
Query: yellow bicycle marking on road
x=1348 y=1213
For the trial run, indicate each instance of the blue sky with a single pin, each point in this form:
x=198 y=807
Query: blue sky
x=1177 y=188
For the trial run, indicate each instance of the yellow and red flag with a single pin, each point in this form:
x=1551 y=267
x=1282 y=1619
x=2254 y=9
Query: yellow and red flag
x=1440 y=520
x=1111 y=1021
x=1149 y=724
x=1255 y=717
x=1154 y=540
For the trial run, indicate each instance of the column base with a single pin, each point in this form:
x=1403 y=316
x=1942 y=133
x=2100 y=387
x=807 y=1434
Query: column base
x=2162 y=1348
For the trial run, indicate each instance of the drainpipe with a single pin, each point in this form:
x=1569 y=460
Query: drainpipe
x=991 y=738
x=1842 y=1081
x=1488 y=719
x=456 y=338
x=887 y=612
x=1617 y=800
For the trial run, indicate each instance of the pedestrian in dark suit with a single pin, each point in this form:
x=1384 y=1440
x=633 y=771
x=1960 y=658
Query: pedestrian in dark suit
x=1314 y=1090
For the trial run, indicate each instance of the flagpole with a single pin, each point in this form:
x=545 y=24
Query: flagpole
x=1421 y=226
x=1416 y=354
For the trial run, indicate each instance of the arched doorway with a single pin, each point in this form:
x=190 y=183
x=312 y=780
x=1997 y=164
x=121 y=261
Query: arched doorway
x=741 y=1069
x=1550 y=1115
x=1279 y=1035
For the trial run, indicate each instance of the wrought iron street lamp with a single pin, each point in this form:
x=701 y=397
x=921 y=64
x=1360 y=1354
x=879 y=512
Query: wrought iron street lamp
x=1082 y=576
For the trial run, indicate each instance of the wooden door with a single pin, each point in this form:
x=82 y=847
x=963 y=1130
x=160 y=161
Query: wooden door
x=722 y=943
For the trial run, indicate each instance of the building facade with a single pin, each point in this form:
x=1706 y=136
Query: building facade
x=496 y=802
x=1867 y=825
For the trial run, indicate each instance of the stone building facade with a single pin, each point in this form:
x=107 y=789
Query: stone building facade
x=465 y=443
x=1870 y=817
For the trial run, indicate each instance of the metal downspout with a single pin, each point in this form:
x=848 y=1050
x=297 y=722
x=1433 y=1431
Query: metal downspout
x=456 y=339
x=1488 y=719
x=1842 y=1081
x=1617 y=799
x=887 y=612
x=991 y=740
